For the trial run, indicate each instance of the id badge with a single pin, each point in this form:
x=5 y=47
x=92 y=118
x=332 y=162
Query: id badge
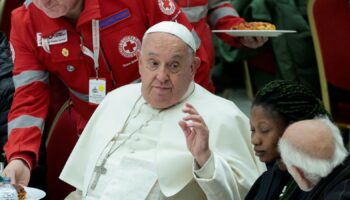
x=97 y=90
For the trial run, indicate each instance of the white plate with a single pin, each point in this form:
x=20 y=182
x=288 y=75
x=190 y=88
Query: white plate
x=34 y=193
x=255 y=33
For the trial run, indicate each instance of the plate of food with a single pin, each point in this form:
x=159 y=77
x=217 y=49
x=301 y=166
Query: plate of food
x=34 y=193
x=23 y=192
x=29 y=193
x=254 y=29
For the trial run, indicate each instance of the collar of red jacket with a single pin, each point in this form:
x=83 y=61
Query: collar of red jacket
x=51 y=26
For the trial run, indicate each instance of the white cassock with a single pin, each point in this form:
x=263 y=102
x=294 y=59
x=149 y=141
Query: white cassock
x=152 y=161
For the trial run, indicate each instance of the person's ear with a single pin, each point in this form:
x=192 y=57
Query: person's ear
x=195 y=64
x=300 y=178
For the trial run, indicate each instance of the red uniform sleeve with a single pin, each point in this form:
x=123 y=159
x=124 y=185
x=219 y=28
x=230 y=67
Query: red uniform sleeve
x=222 y=16
x=30 y=105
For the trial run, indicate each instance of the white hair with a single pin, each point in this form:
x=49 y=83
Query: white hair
x=314 y=168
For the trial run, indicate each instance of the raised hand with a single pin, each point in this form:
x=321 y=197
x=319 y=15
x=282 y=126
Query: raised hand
x=197 y=134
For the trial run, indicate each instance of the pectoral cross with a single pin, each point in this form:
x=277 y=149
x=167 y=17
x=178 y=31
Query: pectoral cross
x=99 y=170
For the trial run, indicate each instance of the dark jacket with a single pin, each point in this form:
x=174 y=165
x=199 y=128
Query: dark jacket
x=6 y=86
x=336 y=186
x=274 y=184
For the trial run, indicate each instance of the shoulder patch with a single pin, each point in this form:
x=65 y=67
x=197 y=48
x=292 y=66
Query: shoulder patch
x=166 y=6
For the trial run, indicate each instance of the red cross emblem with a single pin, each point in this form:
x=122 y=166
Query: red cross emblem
x=166 y=6
x=128 y=46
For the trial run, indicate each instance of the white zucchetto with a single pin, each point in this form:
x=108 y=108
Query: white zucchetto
x=176 y=29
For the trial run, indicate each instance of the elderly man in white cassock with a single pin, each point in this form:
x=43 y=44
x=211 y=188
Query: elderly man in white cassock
x=150 y=140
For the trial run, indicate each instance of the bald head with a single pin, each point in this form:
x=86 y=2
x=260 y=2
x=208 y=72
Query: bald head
x=312 y=137
x=311 y=149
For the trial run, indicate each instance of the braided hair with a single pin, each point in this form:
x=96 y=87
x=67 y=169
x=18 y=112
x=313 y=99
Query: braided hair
x=290 y=100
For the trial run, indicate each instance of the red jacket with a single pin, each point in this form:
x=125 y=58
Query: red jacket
x=43 y=46
x=211 y=14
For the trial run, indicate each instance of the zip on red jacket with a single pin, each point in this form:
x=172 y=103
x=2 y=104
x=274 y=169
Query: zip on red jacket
x=44 y=47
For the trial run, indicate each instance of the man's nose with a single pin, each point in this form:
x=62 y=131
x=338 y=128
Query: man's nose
x=162 y=74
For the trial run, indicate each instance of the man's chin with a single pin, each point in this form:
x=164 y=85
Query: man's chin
x=53 y=15
x=306 y=188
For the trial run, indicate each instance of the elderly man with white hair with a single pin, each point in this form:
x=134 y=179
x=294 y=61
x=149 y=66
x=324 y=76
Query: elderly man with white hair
x=148 y=141
x=314 y=154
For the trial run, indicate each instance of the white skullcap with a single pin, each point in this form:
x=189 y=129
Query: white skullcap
x=176 y=29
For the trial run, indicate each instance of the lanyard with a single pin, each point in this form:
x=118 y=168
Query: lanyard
x=95 y=45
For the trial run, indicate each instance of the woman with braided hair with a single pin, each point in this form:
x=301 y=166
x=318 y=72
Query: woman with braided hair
x=276 y=105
